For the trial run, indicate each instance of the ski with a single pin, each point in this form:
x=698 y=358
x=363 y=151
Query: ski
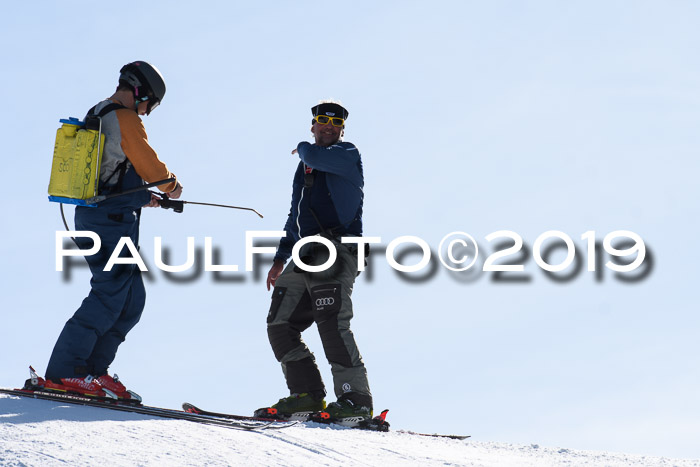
x=70 y=398
x=433 y=435
x=378 y=420
x=194 y=414
x=318 y=417
x=193 y=409
x=377 y=424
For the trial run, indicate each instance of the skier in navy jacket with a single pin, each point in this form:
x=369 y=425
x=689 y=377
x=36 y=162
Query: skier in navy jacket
x=336 y=197
x=327 y=198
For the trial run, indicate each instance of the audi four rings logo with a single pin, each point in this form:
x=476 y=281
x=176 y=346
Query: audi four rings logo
x=325 y=301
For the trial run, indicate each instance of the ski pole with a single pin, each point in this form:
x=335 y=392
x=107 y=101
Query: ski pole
x=97 y=199
x=178 y=205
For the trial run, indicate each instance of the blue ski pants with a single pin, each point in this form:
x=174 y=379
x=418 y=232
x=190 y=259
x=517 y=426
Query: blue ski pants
x=89 y=341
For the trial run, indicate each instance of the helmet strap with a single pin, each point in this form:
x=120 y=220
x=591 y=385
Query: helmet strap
x=136 y=100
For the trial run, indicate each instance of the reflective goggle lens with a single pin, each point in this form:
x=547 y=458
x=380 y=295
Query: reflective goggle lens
x=152 y=104
x=323 y=120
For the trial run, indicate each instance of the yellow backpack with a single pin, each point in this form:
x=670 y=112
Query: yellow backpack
x=77 y=153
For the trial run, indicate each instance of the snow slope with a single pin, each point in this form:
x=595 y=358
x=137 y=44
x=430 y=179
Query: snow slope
x=35 y=432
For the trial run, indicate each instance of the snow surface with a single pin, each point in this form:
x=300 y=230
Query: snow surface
x=36 y=432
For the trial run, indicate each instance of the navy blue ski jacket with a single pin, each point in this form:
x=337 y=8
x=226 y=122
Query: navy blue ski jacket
x=335 y=196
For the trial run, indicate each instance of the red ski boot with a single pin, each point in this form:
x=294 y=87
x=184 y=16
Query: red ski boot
x=113 y=384
x=87 y=386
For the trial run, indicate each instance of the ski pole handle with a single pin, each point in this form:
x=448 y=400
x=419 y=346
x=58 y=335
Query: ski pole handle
x=166 y=203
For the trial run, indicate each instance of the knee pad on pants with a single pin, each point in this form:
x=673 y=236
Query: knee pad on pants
x=283 y=339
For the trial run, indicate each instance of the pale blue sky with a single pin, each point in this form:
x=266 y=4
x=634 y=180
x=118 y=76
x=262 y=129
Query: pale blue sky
x=470 y=116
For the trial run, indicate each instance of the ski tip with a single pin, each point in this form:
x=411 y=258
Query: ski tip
x=189 y=408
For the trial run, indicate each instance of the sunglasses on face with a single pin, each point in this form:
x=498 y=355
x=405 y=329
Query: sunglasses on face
x=324 y=120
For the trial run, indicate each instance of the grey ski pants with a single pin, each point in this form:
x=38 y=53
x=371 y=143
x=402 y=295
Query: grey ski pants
x=298 y=300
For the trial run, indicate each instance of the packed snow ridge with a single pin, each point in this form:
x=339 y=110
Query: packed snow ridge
x=37 y=432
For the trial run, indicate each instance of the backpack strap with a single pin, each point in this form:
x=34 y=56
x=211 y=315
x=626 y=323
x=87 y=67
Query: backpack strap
x=108 y=108
x=92 y=122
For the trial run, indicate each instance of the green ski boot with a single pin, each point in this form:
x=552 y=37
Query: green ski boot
x=350 y=410
x=293 y=406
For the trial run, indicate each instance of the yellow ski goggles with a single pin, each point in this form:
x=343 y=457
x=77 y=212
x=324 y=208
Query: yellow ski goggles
x=324 y=120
